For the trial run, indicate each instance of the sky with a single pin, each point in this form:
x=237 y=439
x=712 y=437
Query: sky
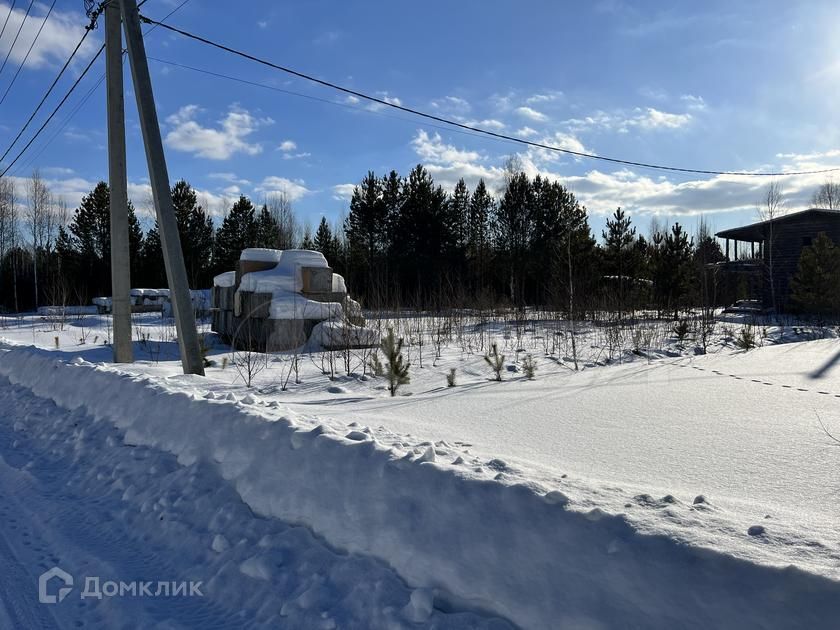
x=743 y=86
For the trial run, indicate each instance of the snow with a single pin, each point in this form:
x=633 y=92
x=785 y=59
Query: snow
x=75 y=493
x=260 y=254
x=572 y=554
x=338 y=284
x=338 y=334
x=226 y=279
x=683 y=491
x=288 y=305
x=66 y=311
x=286 y=275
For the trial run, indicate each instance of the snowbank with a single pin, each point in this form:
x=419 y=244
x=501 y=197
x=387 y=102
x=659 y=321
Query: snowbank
x=506 y=548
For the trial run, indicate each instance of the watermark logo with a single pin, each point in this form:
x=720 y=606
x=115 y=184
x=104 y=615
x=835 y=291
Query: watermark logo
x=44 y=596
x=98 y=589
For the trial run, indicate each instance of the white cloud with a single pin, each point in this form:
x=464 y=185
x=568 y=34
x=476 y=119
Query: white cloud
x=531 y=114
x=433 y=149
x=639 y=192
x=287 y=145
x=375 y=107
x=351 y=100
x=544 y=97
x=343 y=192
x=229 y=177
x=220 y=143
x=654 y=119
x=295 y=189
x=526 y=132
x=452 y=104
x=262 y=23
x=697 y=103
x=647 y=119
x=296 y=156
x=488 y=123
x=58 y=38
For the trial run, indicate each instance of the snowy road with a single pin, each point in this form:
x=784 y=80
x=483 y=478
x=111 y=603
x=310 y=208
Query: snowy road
x=74 y=495
x=740 y=429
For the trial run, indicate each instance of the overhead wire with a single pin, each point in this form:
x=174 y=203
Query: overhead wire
x=14 y=41
x=28 y=52
x=55 y=81
x=6 y=21
x=70 y=91
x=479 y=130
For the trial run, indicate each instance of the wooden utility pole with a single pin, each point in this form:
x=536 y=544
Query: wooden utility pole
x=173 y=258
x=120 y=255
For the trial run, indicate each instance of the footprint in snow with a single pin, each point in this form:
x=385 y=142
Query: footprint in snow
x=756 y=530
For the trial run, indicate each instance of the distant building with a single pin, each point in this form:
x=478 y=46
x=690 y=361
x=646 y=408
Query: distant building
x=745 y=274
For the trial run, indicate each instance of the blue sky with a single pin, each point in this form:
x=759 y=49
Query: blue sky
x=713 y=85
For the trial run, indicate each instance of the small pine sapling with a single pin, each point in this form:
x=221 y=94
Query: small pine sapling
x=529 y=366
x=450 y=378
x=745 y=339
x=395 y=369
x=495 y=360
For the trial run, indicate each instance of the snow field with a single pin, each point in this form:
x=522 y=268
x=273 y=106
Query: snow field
x=465 y=541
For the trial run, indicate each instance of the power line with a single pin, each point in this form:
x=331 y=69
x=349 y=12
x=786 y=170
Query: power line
x=472 y=128
x=28 y=52
x=6 y=21
x=94 y=15
x=310 y=97
x=55 y=111
x=14 y=41
x=88 y=29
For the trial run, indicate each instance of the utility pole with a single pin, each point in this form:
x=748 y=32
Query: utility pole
x=120 y=255
x=173 y=257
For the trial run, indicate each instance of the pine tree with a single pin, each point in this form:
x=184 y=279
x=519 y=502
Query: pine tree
x=673 y=270
x=495 y=360
x=395 y=369
x=460 y=209
x=620 y=254
x=267 y=228
x=366 y=228
x=513 y=224
x=815 y=289
x=478 y=248
x=86 y=244
x=324 y=242
x=237 y=232
x=195 y=228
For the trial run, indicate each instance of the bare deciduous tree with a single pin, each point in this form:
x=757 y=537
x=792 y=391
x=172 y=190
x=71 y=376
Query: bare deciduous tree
x=773 y=206
x=41 y=220
x=827 y=196
x=288 y=233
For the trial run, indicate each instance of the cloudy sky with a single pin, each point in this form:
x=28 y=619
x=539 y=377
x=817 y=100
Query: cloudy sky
x=723 y=85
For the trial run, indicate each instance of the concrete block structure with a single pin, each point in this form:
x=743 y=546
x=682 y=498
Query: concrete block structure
x=276 y=299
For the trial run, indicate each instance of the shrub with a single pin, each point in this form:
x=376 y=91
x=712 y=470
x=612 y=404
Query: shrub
x=395 y=369
x=450 y=378
x=495 y=360
x=745 y=339
x=529 y=366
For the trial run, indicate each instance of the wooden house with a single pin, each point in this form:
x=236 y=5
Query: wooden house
x=753 y=250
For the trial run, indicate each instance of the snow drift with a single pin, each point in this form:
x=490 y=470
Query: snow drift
x=504 y=548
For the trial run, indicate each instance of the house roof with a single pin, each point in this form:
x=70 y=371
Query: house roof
x=756 y=232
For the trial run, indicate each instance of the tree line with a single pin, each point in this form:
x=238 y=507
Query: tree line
x=406 y=241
